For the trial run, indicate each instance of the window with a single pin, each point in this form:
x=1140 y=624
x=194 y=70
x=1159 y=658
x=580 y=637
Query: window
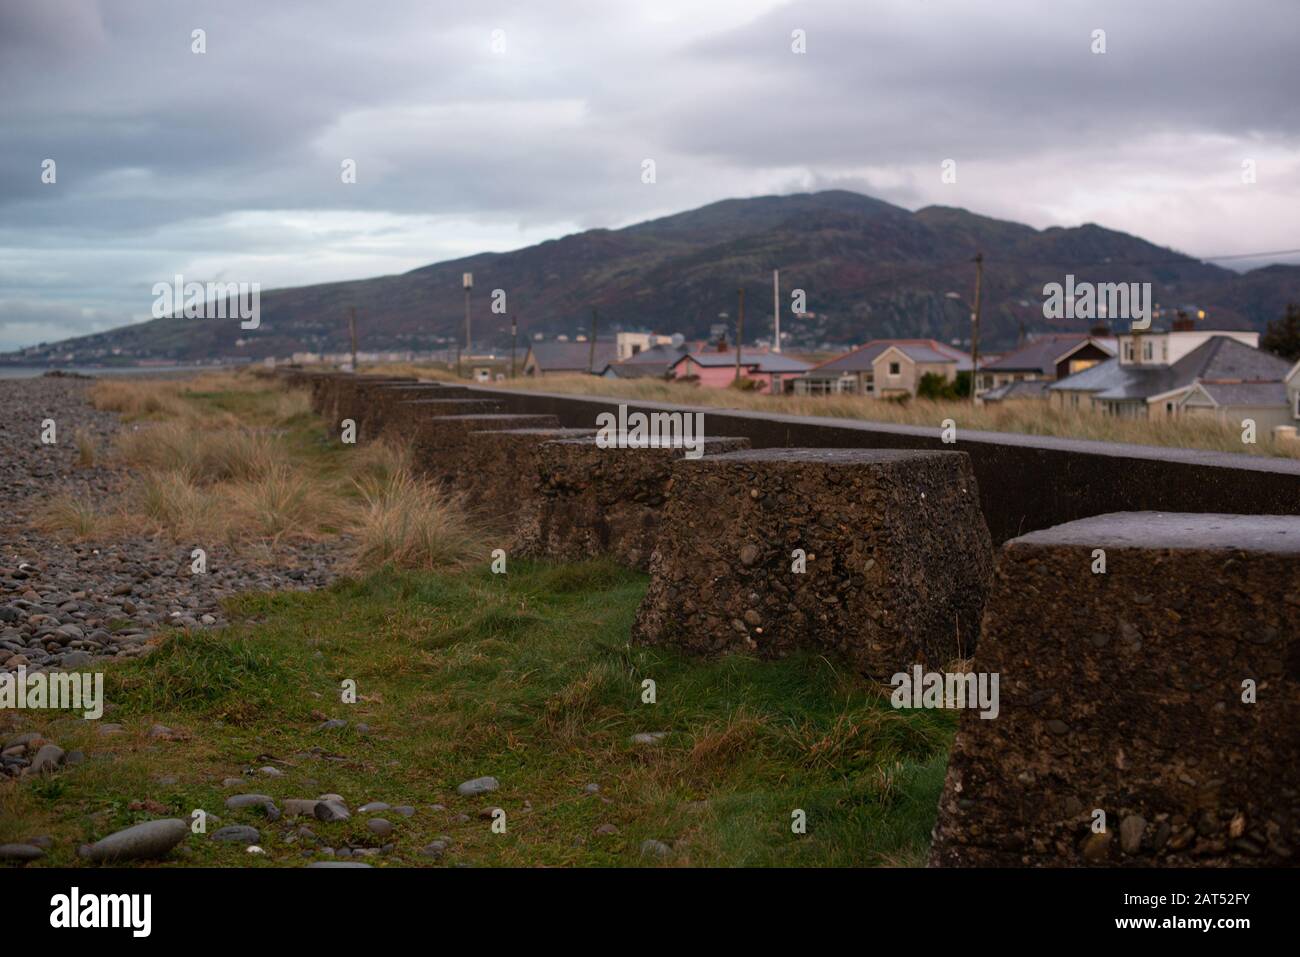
x=894 y=368
x=1146 y=351
x=1128 y=350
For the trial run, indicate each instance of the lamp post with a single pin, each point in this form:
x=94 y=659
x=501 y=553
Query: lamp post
x=467 y=280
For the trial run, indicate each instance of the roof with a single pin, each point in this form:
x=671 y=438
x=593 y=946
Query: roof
x=572 y=356
x=760 y=361
x=1245 y=393
x=629 y=370
x=1043 y=353
x=1033 y=389
x=919 y=350
x=1219 y=360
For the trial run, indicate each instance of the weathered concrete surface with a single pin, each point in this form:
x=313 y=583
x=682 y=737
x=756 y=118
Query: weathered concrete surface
x=1123 y=692
x=897 y=557
x=439 y=441
x=1026 y=482
x=385 y=399
x=501 y=476
x=403 y=419
x=603 y=500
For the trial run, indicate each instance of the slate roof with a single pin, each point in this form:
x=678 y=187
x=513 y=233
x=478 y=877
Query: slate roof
x=1042 y=354
x=1218 y=360
x=919 y=350
x=751 y=358
x=1033 y=389
x=572 y=356
x=1246 y=393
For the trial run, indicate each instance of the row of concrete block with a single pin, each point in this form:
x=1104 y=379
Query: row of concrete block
x=1133 y=679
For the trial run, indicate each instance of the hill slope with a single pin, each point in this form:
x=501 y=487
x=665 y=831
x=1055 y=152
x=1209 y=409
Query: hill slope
x=870 y=269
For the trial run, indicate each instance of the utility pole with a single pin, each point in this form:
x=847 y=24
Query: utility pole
x=514 y=341
x=776 y=310
x=591 y=349
x=740 y=330
x=352 y=334
x=975 y=330
x=466 y=280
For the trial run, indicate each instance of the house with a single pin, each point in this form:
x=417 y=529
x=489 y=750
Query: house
x=631 y=343
x=884 y=368
x=1164 y=374
x=654 y=361
x=1046 y=358
x=716 y=368
x=559 y=358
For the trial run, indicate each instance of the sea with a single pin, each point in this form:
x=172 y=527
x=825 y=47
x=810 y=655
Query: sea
x=28 y=372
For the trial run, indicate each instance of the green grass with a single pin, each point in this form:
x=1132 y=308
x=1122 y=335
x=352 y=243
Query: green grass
x=528 y=677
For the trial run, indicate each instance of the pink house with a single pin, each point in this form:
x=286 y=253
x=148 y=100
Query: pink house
x=717 y=369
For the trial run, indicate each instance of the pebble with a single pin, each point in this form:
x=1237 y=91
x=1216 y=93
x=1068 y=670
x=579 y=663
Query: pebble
x=379 y=827
x=331 y=811
x=649 y=737
x=20 y=852
x=372 y=808
x=652 y=848
x=237 y=834
x=146 y=841
x=477 y=786
x=47 y=759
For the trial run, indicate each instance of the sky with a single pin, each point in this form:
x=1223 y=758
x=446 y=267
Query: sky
x=495 y=125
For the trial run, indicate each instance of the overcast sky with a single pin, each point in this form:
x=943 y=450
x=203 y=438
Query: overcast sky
x=226 y=165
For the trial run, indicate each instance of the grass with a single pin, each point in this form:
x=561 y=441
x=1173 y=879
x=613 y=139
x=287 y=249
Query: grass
x=527 y=677
x=236 y=458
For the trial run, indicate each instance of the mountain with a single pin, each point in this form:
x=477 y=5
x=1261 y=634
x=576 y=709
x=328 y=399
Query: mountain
x=869 y=269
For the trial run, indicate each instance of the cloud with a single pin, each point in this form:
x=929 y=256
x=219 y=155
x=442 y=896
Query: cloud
x=229 y=161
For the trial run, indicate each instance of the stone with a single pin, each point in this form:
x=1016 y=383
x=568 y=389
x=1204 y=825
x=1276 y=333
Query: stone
x=1158 y=730
x=147 y=841
x=1131 y=829
x=238 y=801
x=405 y=810
x=653 y=848
x=47 y=759
x=379 y=827
x=434 y=849
x=374 y=807
x=895 y=558
x=20 y=852
x=605 y=830
x=339 y=864
x=332 y=811
x=649 y=737
x=477 y=786
x=297 y=807
x=237 y=834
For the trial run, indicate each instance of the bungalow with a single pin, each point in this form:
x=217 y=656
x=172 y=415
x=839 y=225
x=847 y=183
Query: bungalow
x=653 y=362
x=1044 y=359
x=884 y=368
x=559 y=358
x=716 y=369
x=1221 y=374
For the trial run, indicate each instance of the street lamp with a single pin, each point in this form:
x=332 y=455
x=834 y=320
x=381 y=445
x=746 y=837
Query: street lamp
x=466 y=280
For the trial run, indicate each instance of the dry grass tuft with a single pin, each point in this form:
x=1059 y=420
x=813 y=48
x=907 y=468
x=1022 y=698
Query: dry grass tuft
x=280 y=502
x=408 y=523
x=75 y=516
x=86 y=449
x=205 y=455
